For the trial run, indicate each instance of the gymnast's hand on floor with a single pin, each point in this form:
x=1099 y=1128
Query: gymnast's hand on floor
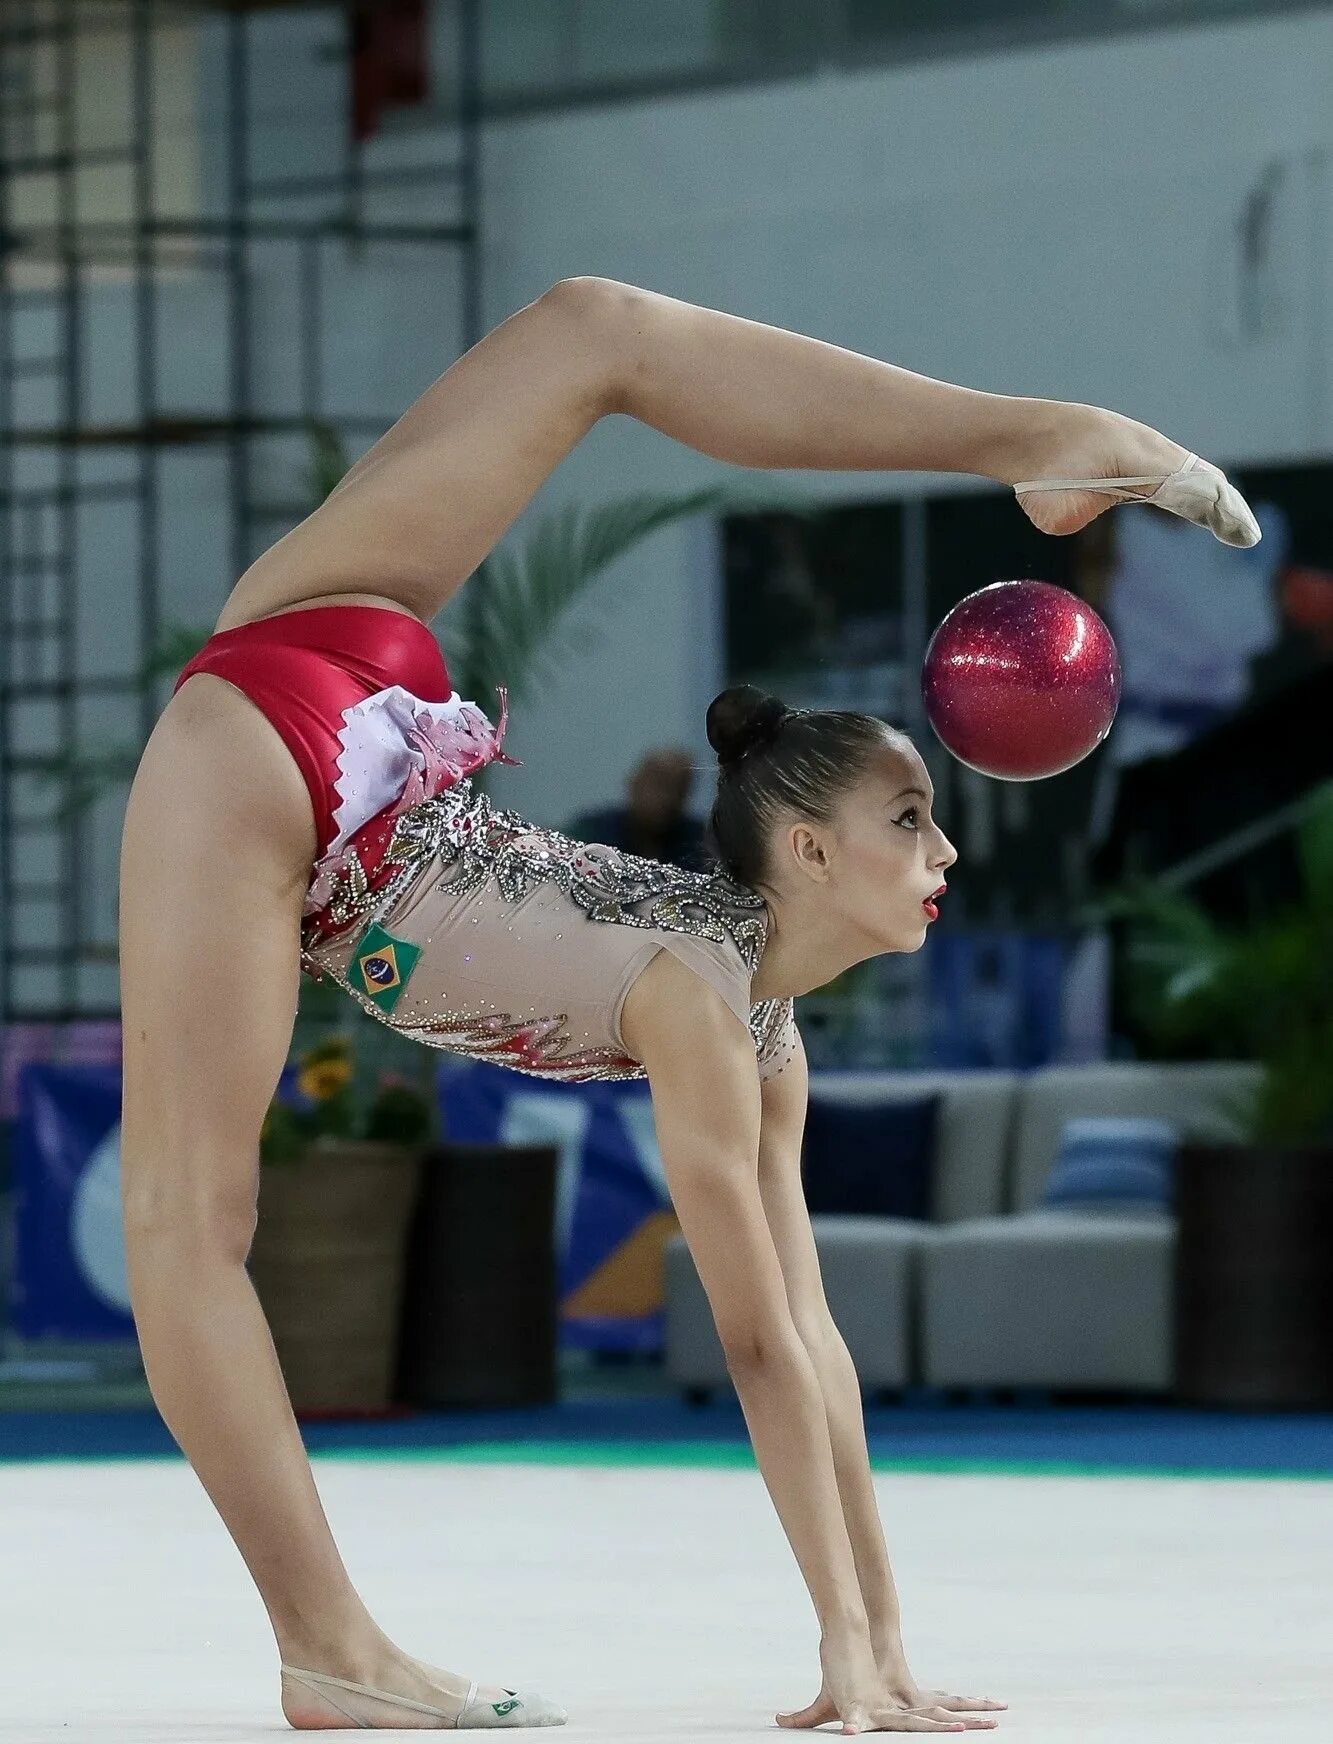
x=904 y=1707
x=892 y=1663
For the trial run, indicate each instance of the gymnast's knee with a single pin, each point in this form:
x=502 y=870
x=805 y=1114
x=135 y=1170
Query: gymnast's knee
x=181 y=1219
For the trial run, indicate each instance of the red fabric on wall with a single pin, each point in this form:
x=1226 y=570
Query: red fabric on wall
x=390 y=59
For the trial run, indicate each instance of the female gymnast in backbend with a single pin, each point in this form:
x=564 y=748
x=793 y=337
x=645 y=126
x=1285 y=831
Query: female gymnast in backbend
x=302 y=803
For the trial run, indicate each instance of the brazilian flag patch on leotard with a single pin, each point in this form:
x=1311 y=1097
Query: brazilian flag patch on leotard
x=381 y=966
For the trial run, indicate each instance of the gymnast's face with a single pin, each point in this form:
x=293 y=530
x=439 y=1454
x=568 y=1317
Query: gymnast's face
x=882 y=856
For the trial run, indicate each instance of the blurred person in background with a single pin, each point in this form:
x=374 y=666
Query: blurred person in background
x=653 y=820
x=1190 y=617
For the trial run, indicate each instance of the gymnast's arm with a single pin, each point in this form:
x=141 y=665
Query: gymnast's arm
x=700 y=1063
x=784 y=1099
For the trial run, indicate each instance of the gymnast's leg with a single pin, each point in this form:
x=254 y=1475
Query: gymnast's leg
x=421 y=509
x=218 y=843
x=761 y=396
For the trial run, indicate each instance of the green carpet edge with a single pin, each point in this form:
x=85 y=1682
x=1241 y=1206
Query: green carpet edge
x=738 y=1456
x=717 y=1456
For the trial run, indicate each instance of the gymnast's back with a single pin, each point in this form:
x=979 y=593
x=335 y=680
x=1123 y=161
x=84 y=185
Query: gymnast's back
x=504 y=940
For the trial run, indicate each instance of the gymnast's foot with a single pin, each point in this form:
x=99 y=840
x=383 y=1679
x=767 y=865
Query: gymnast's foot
x=385 y=1689
x=1072 y=445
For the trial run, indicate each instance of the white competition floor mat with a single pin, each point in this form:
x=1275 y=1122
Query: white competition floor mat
x=665 y=1605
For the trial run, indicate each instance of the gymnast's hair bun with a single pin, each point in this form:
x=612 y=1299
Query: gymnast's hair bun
x=741 y=718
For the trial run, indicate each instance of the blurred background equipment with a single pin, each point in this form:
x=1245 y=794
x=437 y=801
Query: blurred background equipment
x=188 y=246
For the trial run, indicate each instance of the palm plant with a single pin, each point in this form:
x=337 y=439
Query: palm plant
x=521 y=614
x=1262 y=992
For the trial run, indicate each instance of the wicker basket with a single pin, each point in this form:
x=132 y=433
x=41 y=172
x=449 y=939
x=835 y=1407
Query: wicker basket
x=328 y=1266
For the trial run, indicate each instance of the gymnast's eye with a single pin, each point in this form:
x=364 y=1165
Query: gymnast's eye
x=911 y=813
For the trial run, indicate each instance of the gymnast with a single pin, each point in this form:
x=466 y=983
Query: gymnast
x=304 y=805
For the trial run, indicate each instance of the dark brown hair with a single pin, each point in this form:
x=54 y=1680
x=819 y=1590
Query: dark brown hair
x=773 y=759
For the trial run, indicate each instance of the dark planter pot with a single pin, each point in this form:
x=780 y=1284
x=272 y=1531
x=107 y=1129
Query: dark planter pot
x=1254 y=1276
x=327 y=1266
x=480 y=1308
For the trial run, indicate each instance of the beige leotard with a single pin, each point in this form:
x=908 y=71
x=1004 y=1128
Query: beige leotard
x=504 y=940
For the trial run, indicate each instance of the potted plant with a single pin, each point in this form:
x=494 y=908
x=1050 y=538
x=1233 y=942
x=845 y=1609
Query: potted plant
x=1254 y=1280
x=340 y=1172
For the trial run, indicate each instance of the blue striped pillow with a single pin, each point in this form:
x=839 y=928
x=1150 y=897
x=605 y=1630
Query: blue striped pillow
x=1106 y=1164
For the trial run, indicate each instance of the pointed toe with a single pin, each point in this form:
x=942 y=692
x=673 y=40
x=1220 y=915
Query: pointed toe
x=519 y=1708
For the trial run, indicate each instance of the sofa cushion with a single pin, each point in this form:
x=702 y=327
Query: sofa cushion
x=972 y=1133
x=876 y=1160
x=1052 y=1298
x=1197 y=1097
x=1105 y=1163
x=868 y=1266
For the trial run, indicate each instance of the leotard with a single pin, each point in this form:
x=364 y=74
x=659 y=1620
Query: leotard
x=460 y=925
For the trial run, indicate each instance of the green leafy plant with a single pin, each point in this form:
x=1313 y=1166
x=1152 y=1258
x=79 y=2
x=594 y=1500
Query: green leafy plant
x=1262 y=992
x=328 y=461
x=319 y=1098
x=520 y=616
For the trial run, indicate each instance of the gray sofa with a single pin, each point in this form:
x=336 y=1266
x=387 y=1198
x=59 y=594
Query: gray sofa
x=996 y=1291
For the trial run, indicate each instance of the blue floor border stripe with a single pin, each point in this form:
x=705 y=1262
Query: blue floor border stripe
x=1160 y=1440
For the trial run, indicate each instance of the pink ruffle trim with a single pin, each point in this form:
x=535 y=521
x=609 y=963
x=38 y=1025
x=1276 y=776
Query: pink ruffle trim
x=396 y=752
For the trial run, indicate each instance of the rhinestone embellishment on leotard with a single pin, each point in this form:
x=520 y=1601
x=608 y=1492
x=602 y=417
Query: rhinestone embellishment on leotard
x=462 y=830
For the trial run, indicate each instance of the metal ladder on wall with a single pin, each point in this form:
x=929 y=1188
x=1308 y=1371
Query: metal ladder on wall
x=52 y=967
x=40 y=845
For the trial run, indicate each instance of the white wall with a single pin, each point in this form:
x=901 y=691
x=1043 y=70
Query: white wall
x=1060 y=221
